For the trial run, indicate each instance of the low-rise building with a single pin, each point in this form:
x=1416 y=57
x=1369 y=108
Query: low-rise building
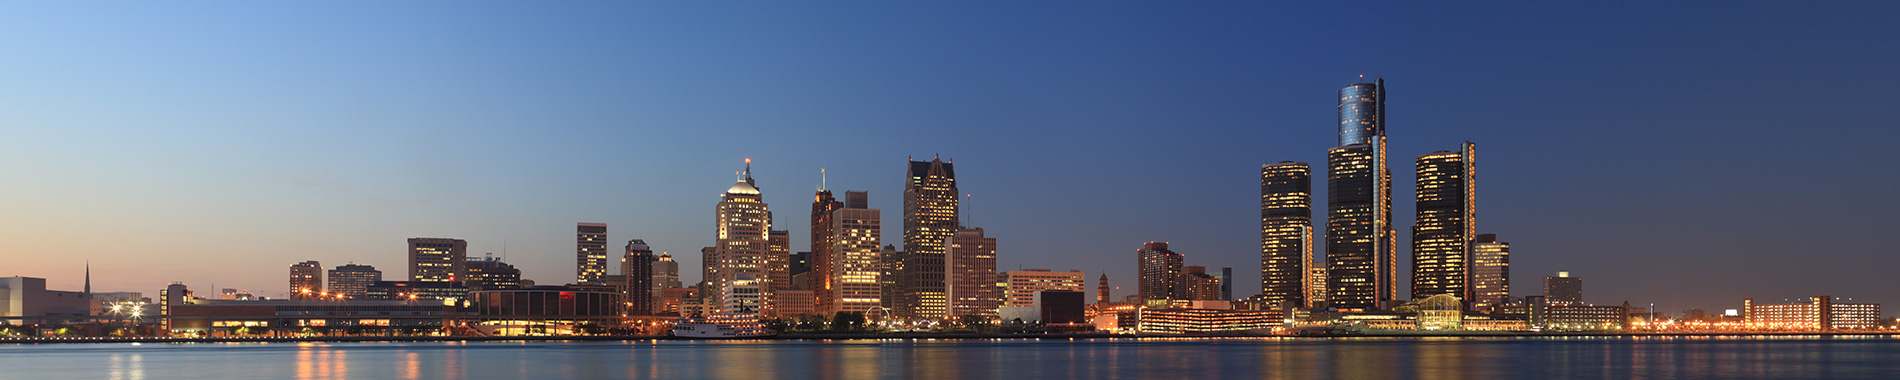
x=1820 y=313
x=1188 y=321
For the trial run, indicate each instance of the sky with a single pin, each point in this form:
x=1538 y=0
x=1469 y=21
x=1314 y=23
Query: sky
x=1686 y=154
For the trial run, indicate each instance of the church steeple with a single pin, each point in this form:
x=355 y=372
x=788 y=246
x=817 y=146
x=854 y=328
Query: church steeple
x=88 y=279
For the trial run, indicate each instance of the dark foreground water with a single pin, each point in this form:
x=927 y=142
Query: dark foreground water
x=1209 y=359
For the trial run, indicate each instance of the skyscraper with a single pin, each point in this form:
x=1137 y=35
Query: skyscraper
x=890 y=279
x=778 y=267
x=1442 y=237
x=1161 y=273
x=854 y=263
x=1201 y=286
x=590 y=253
x=306 y=280
x=1226 y=283
x=1315 y=284
x=1102 y=290
x=1563 y=289
x=930 y=220
x=437 y=260
x=742 y=244
x=1286 y=231
x=637 y=267
x=822 y=205
x=353 y=281
x=1490 y=272
x=491 y=274
x=1360 y=243
x=972 y=274
x=666 y=275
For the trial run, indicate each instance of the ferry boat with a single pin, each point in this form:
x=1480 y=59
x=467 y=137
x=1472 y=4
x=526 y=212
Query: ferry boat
x=721 y=326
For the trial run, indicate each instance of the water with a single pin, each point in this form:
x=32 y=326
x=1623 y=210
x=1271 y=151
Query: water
x=1342 y=358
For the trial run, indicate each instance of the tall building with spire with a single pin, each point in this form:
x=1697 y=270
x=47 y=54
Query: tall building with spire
x=930 y=220
x=306 y=280
x=1102 y=290
x=971 y=274
x=1286 y=232
x=854 y=262
x=1360 y=242
x=1446 y=228
x=822 y=253
x=742 y=241
x=590 y=253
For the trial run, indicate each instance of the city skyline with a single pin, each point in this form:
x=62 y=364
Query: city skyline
x=1603 y=174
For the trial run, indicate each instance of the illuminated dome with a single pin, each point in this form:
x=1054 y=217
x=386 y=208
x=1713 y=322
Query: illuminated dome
x=742 y=188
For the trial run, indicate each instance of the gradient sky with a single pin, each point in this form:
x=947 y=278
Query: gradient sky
x=1687 y=154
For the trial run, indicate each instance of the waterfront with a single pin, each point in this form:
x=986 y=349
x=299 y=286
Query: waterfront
x=1108 y=358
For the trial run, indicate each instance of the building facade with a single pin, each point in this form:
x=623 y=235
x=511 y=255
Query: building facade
x=590 y=253
x=1101 y=290
x=306 y=280
x=1820 y=313
x=1286 y=231
x=491 y=274
x=854 y=265
x=1022 y=285
x=637 y=267
x=1563 y=289
x=1446 y=229
x=352 y=280
x=930 y=221
x=666 y=275
x=743 y=242
x=1360 y=241
x=823 y=204
x=437 y=259
x=1161 y=273
x=1490 y=272
x=1200 y=285
x=971 y=274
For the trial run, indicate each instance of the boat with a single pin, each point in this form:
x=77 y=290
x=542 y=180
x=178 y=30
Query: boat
x=721 y=326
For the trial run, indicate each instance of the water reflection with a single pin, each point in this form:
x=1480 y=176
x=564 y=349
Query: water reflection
x=126 y=367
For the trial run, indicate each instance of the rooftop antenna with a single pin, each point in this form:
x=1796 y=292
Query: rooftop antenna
x=822 y=179
x=969 y=211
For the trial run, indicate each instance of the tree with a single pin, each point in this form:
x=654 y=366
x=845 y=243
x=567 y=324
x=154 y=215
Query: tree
x=847 y=321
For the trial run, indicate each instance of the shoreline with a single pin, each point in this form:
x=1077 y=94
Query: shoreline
x=890 y=336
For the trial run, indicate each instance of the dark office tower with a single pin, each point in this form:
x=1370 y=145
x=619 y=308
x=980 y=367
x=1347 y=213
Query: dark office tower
x=1101 y=290
x=437 y=260
x=778 y=263
x=1162 y=277
x=1442 y=237
x=890 y=280
x=1360 y=242
x=1227 y=283
x=637 y=267
x=801 y=264
x=353 y=281
x=1563 y=289
x=590 y=253
x=822 y=205
x=930 y=220
x=306 y=280
x=491 y=274
x=1490 y=272
x=1286 y=226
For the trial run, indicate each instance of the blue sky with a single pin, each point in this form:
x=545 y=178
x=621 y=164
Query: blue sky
x=1688 y=154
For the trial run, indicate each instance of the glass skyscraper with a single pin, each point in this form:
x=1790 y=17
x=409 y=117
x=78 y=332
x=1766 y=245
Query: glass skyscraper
x=1442 y=237
x=1360 y=241
x=1286 y=223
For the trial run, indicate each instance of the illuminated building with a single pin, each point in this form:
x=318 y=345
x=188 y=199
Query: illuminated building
x=1577 y=317
x=1563 y=289
x=437 y=260
x=796 y=302
x=1023 y=284
x=1226 y=283
x=1490 y=272
x=541 y=310
x=1200 y=285
x=743 y=295
x=306 y=280
x=489 y=274
x=636 y=266
x=1446 y=224
x=415 y=290
x=1360 y=243
x=971 y=279
x=590 y=253
x=822 y=251
x=1286 y=231
x=1185 y=321
x=778 y=267
x=1101 y=290
x=1820 y=313
x=352 y=280
x=930 y=220
x=854 y=266
x=666 y=275
x=1315 y=284
x=743 y=243
x=1161 y=273
x=671 y=300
